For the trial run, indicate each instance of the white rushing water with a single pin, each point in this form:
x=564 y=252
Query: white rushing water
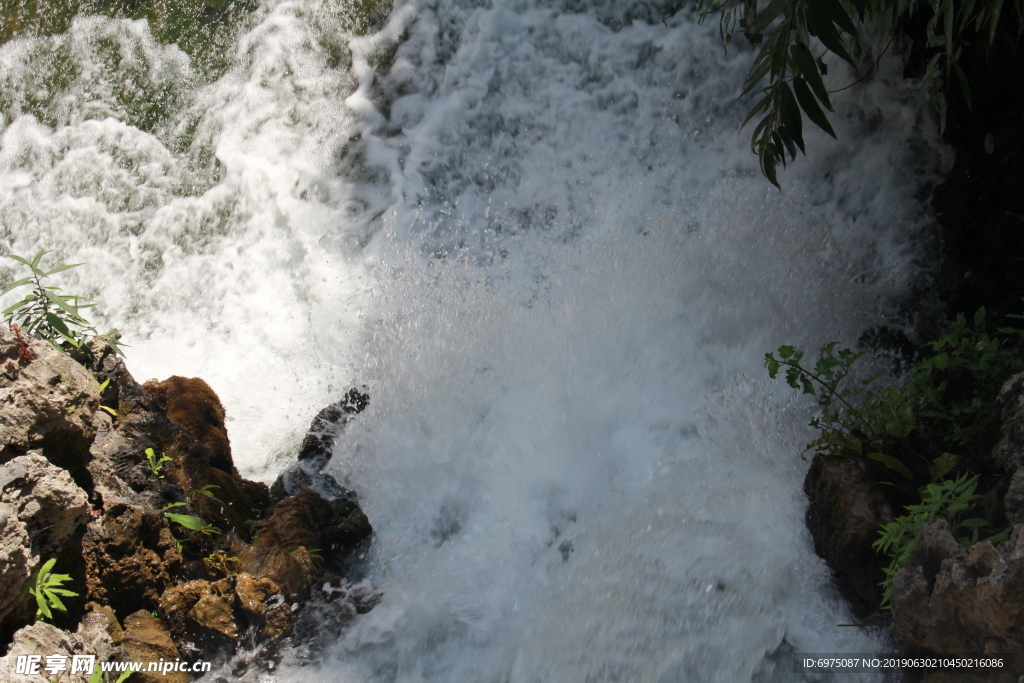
x=532 y=230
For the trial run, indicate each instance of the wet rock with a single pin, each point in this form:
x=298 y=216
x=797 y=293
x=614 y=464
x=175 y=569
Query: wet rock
x=263 y=608
x=45 y=639
x=147 y=640
x=191 y=402
x=317 y=449
x=845 y=512
x=217 y=615
x=309 y=520
x=101 y=617
x=47 y=402
x=293 y=571
x=202 y=613
x=42 y=516
x=950 y=599
x=130 y=557
x=319 y=442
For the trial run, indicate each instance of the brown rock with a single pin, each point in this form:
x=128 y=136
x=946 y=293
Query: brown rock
x=202 y=613
x=102 y=617
x=218 y=614
x=293 y=571
x=130 y=555
x=146 y=639
x=310 y=521
x=191 y=402
x=845 y=513
x=1009 y=452
x=951 y=599
x=263 y=607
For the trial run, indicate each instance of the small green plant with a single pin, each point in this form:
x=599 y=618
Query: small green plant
x=156 y=465
x=46 y=312
x=950 y=500
x=852 y=417
x=197 y=527
x=205 y=491
x=101 y=676
x=220 y=561
x=48 y=590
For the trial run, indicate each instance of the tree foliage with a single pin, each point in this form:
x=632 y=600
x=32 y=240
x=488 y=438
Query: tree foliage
x=795 y=35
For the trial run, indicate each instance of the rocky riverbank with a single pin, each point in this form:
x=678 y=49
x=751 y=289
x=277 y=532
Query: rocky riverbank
x=173 y=555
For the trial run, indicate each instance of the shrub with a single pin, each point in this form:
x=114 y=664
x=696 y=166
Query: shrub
x=47 y=313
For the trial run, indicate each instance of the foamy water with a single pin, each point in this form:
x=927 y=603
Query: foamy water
x=532 y=230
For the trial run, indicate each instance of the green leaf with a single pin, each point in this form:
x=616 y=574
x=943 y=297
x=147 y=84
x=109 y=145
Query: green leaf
x=14 y=285
x=187 y=521
x=59 y=269
x=896 y=413
x=810 y=106
x=54 y=601
x=47 y=567
x=891 y=463
x=826 y=33
x=786 y=352
x=805 y=61
x=38 y=257
x=792 y=120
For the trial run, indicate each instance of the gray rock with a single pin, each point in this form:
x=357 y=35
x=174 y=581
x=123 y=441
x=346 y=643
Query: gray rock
x=1009 y=452
x=47 y=401
x=45 y=639
x=1014 y=499
x=951 y=599
x=42 y=511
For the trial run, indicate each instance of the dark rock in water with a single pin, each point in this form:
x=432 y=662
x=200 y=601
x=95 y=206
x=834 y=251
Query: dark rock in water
x=317 y=449
x=846 y=510
x=310 y=521
x=296 y=479
x=948 y=598
x=319 y=442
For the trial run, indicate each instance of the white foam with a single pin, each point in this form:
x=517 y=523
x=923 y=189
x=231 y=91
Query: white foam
x=533 y=231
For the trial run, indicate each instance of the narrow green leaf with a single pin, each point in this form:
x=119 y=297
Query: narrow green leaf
x=825 y=31
x=891 y=463
x=805 y=60
x=791 y=118
x=16 y=284
x=964 y=87
x=810 y=106
x=47 y=567
x=187 y=521
x=60 y=269
x=37 y=258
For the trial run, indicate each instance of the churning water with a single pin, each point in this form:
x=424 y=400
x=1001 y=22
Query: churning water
x=531 y=228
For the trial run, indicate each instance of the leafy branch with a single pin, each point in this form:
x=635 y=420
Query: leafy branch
x=785 y=28
x=48 y=313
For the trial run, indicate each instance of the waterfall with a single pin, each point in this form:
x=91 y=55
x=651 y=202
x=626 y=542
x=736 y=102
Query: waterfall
x=534 y=231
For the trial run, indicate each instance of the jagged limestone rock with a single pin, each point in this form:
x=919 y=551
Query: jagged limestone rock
x=42 y=514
